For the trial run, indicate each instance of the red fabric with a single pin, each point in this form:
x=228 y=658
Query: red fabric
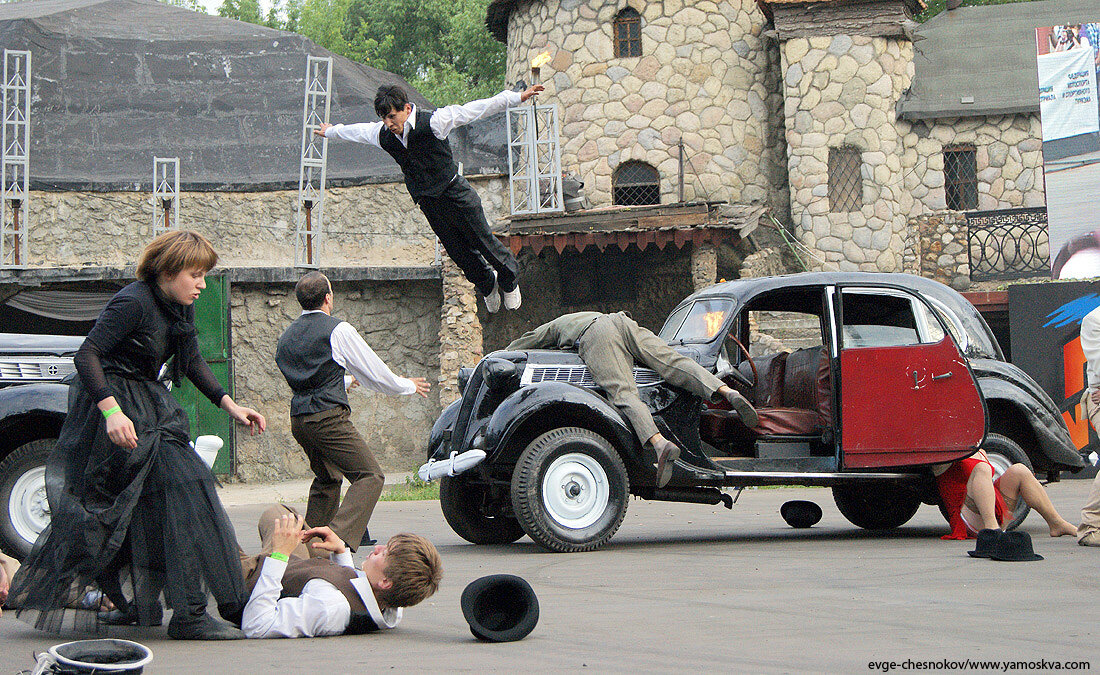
x=952 y=487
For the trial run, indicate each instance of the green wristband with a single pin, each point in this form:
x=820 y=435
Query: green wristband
x=111 y=411
x=280 y=556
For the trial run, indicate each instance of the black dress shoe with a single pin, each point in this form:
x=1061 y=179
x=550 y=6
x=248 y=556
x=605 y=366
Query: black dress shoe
x=206 y=628
x=667 y=454
x=743 y=408
x=130 y=617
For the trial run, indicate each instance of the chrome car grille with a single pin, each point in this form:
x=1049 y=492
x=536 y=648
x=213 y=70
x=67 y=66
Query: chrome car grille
x=35 y=368
x=579 y=375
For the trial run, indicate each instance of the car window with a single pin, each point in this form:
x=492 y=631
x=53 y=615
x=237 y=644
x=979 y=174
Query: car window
x=702 y=321
x=776 y=331
x=884 y=319
x=673 y=322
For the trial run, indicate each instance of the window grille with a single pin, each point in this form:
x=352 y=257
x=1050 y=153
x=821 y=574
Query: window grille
x=960 y=177
x=845 y=179
x=628 y=33
x=635 y=184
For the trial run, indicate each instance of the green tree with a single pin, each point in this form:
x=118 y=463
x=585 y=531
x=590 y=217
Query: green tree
x=241 y=10
x=323 y=22
x=193 y=5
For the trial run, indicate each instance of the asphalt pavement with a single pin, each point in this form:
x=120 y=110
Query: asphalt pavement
x=685 y=587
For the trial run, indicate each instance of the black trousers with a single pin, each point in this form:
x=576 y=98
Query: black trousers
x=458 y=220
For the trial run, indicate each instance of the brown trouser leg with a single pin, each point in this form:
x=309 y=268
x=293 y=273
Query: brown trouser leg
x=250 y=564
x=1089 y=529
x=336 y=450
x=610 y=347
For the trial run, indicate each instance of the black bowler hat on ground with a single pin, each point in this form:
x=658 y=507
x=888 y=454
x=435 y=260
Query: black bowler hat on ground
x=97 y=657
x=1014 y=546
x=987 y=538
x=500 y=608
x=800 y=513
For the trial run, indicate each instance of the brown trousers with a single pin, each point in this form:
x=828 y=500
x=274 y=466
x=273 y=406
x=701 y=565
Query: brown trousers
x=336 y=450
x=610 y=347
x=250 y=564
x=1089 y=529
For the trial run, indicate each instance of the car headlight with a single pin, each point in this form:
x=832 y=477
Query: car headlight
x=500 y=373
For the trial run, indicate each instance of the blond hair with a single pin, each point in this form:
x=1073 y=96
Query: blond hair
x=173 y=252
x=414 y=569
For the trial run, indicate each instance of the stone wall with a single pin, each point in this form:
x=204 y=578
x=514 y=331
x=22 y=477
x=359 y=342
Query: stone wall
x=399 y=320
x=367 y=225
x=938 y=247
x=663 y=279
x=706 y=76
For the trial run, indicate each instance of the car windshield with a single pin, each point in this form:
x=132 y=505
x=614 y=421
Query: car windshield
x=698 y=322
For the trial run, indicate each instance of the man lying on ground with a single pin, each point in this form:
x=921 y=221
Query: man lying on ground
x=293 y=595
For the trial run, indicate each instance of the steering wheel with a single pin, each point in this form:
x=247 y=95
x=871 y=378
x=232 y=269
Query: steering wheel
x=737 y=373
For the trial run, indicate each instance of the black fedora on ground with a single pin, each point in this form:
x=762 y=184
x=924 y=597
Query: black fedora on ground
x=800 y=513
x=1014 y=546
x=987 y=538
x=500 y=608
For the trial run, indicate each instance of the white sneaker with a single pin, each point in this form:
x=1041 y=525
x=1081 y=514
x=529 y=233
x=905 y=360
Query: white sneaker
x=492 y=301
x=512 y=299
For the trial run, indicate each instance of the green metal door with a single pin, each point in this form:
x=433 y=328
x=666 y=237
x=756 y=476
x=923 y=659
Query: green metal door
x=212 y=323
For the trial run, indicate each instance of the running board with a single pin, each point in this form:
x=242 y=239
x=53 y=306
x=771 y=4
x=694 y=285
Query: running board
x=820 y=479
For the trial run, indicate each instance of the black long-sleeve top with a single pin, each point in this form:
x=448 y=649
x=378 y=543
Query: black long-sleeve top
x=131 y=338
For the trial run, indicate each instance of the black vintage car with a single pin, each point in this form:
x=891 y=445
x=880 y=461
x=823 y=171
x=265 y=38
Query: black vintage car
x=33 y=403
x=862 y=381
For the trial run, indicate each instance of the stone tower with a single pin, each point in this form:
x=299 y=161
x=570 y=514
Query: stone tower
x=706 y=75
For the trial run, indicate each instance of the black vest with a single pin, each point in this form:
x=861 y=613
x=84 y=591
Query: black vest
x=304 y=355
x=427 y=163
x=300 y=572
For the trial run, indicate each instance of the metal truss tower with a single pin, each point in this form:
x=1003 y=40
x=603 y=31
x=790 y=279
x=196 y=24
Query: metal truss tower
x=309 y=220
x=14 y=174
x=534 y=159
x=166 y=194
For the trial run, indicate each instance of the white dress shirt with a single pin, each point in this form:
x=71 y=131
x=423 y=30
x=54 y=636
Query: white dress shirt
x=1090 y=345
x=354 y=355
x=321 y=609
x=444 y=120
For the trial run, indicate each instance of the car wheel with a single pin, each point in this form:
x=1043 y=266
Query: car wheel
x=464 y=507
x=570 y=490
x=877 y=506
x=23 y=495
x=1003 y=452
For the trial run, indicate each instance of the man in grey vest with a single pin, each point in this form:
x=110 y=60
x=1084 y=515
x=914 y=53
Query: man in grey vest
x=609 y=344
x=315 y=355
x=417 y=141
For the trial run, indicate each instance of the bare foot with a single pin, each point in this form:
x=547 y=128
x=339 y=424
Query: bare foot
x=1062 y=529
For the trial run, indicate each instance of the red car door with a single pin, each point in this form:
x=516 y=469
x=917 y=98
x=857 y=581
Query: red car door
x=907 y=394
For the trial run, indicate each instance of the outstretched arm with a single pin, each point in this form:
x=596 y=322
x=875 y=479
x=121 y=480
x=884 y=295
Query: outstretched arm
x=355 y=355
x=364 y=132
x=446 y=119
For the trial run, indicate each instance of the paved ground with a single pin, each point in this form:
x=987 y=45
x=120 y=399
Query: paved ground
x=687 y=587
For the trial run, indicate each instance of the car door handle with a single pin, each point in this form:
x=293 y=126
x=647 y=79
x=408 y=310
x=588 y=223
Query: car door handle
x=943 y=377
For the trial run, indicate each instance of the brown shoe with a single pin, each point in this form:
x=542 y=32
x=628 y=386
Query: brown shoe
x=743 y=408
x=667 y=454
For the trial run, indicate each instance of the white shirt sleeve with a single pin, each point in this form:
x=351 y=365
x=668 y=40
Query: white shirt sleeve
x=1090 y=345
x=320 y=610
x=363 y=132
x=355 y=356
x=448 y=117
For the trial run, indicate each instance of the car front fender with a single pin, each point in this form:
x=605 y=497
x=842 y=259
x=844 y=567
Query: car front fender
x=1053 y=440
x=436 y=447
x=51 y=398
x=563 y=402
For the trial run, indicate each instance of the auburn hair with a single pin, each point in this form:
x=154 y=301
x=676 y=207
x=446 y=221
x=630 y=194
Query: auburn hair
x=176 y=251
x=414 y=569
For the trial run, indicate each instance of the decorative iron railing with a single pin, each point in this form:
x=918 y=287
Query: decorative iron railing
x=1008 y=244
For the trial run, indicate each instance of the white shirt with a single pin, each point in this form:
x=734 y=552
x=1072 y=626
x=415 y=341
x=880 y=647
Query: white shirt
x=1090 y=345
x=321 y=609
x=354 y=355
x=444 y=120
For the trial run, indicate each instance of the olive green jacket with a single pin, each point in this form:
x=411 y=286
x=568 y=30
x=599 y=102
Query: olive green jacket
x=561 y=333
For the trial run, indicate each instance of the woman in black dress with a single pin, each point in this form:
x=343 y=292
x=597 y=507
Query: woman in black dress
x=133 y=508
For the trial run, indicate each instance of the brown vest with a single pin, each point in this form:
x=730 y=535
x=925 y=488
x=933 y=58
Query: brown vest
x=300 y=572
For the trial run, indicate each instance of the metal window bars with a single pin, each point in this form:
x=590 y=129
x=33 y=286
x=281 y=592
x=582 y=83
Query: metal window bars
x=534 y=159
x=166 y=194
x=960 y=178
x=635 y=184
x=14 y=188
x=845 y=179
x=309 y=219
x=628 y=33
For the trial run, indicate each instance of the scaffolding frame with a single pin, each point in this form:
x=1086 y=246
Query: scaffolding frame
x=166 y=194
x=534 y=159
x=14 y=174
x=309 y=219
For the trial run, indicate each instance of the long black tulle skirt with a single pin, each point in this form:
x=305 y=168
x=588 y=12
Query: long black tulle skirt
x=131 y=523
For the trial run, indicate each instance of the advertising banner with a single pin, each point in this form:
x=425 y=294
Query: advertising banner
x=1068 y=60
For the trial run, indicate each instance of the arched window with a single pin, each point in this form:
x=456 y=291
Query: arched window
x=628 y=33
x=634 y=184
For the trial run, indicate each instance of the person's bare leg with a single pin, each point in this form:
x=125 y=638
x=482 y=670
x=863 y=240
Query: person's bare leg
x=1019 y=482
x=980 y=488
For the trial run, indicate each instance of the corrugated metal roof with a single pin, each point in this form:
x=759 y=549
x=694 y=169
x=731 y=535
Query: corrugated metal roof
x=985 y=56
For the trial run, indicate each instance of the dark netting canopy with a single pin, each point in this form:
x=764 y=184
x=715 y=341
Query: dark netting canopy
x=117 y=82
